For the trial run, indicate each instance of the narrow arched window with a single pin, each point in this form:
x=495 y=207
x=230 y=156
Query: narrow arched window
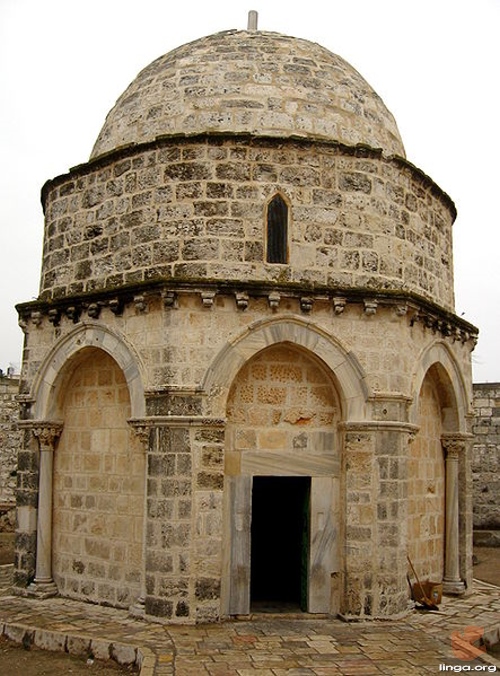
x=277 y=231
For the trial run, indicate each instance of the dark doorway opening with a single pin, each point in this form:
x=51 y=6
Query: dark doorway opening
x=280 y=542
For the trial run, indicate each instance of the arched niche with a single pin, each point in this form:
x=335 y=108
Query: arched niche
x=58 y=365
x=438 y=363
x=438 y=470
x=346 y=370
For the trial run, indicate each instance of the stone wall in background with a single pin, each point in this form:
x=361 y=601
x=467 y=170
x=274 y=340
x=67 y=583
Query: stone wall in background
x=486 y=462
x=10 y=441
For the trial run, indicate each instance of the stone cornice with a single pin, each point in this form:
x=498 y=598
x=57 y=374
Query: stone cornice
x=175 y=421
x=76 y=308
x=379 y=425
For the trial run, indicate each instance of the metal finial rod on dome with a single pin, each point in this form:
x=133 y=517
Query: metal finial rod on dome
x=252 y=20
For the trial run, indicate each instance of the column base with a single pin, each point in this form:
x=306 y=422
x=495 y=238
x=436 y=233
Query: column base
x=42 y=589
x=453 y=587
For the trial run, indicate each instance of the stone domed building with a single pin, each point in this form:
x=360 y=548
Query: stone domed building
x=244 y=381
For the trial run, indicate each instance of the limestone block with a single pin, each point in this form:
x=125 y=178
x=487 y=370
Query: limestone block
x=50 y=640
x=123 y=654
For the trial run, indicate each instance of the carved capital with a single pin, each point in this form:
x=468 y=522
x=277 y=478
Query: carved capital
x=454 y=446
x=141 y=430
x=47 y=433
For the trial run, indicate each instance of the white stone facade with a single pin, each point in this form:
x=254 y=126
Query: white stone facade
x=175 y=383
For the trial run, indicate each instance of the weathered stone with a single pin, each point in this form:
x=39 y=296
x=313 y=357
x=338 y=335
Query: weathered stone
x=158 y=607
x=486 y=457
x=207 y=589
x=187 y=370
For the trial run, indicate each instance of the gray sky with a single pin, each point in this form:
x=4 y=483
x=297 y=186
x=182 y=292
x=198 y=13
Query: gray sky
x=435 y=63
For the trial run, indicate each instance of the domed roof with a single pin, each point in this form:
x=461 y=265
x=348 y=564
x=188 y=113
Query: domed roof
x=250 y=82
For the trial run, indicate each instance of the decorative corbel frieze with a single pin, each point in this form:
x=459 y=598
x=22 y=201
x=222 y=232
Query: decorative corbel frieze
x=94 y=310
x=207 y=298
x=274 y=299
x=169 y=299
x=23 y=323
x=73 y=313
x=370 y=306
x=140 y=303
x=306 y=304
x=54 y=316
x=116 y=306
x=339 y=305
x=241 y=300
x=36 y=317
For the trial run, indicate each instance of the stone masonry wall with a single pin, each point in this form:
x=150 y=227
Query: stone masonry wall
x=175 y=343
x=426 y=487
x=10 y=439
x=486 y=456
x=197 y=210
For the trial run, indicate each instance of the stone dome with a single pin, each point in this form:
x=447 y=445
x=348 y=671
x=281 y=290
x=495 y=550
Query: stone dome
x=254 y=83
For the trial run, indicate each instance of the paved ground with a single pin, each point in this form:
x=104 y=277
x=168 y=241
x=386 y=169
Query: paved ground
x=264 y=645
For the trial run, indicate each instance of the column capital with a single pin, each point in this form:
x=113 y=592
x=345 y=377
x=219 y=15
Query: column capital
x=46 y=432
x=455 y=445
x=141 y=428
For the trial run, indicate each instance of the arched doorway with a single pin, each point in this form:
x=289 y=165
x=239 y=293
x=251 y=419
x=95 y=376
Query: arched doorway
x=282 y=481
x=98 y=485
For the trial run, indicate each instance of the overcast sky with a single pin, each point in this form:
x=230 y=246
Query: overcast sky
x=435 y=63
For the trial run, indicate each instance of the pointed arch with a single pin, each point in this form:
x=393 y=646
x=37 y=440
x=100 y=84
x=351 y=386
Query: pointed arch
x=343 y=365
x=456 y=402
x=55 y=367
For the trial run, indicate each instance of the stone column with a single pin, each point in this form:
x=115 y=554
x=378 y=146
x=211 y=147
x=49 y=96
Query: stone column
x=46 y=433
x=141 y=430
x=452 y=583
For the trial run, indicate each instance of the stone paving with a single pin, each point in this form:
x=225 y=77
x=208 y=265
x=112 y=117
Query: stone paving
x=264 y=645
